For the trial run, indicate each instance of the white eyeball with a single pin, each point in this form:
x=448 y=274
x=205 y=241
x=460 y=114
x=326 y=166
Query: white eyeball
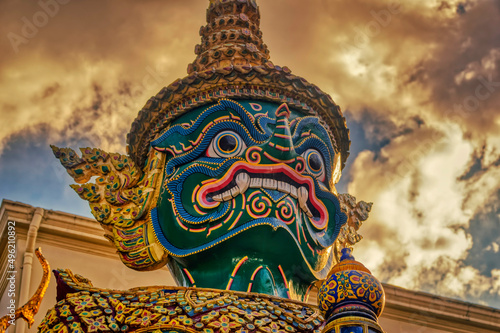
x=226 y=144
x=315 y=164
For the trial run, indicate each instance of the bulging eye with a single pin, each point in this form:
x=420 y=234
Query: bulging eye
x=226 y=144
x=315 y=164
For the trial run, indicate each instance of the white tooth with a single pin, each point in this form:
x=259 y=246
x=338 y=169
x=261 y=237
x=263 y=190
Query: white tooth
x=283 y=187
x=217 y=197
x=226 y=196
x=243 y=182
x=303 y=196
x=256 y=183
x=270 y=184
x=293 y=191
x=235 y=191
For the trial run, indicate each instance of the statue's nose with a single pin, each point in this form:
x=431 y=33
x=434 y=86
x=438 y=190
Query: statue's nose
x=280 y=144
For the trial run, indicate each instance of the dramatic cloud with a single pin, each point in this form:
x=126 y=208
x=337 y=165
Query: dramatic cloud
x=418 y=80
x=118 y=53
x=424 y=85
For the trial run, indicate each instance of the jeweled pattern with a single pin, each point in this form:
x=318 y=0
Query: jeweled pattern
x=351 y=286
x=84 y=308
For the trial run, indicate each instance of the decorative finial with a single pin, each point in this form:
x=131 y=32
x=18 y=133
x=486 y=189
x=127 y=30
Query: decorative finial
x=351 y=297
x=346 y=254
x=232 y=37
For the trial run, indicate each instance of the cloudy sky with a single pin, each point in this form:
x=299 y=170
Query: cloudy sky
x=418 y=81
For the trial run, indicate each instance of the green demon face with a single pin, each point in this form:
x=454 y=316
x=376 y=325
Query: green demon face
x=247 y=201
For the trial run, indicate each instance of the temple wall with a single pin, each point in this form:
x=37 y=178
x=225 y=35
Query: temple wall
x=76 y=243
x=69 y=242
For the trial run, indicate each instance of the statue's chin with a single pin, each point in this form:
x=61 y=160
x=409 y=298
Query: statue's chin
x=254 y=256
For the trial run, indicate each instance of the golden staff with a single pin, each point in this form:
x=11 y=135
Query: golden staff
x=30 y=309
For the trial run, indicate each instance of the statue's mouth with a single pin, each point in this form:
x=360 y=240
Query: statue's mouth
x=277 y=177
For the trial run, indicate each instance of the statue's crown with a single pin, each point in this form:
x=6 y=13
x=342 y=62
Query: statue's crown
x=231 y=37
x=233 y=62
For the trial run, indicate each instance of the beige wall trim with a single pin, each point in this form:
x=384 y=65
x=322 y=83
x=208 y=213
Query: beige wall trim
x=438 y=312
x=67 y=231
x=60 y=229
x=11 y=211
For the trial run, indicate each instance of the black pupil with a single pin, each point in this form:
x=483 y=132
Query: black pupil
x=227 y=143
x=315 y=162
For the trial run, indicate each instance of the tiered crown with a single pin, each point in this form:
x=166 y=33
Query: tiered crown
x=232 y=37
x=233 y=62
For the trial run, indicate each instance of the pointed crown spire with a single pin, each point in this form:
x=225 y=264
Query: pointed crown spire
x=232 y=37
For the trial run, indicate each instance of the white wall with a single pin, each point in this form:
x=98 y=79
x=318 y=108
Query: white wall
x=103 y=272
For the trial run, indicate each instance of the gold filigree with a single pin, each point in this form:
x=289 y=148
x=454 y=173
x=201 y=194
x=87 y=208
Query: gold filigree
x=30 y=309
x=180 y=309
x=357 y=213
x=120 y=196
